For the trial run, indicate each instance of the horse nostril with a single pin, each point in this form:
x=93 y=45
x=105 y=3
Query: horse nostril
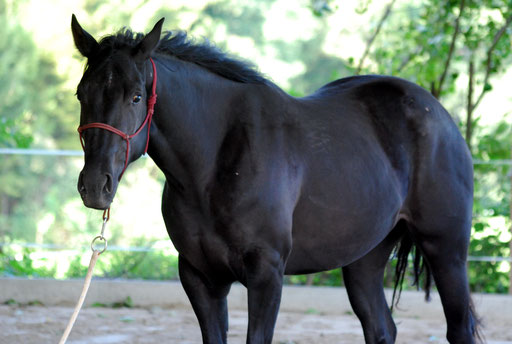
x=81 y=185
x=109 y=184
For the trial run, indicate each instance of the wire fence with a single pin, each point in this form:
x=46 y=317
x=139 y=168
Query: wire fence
x=489 y=259
x=79 y=153
x=64 y=152
x=44 y=152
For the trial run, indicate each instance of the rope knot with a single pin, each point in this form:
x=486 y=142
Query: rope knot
x=152 y=101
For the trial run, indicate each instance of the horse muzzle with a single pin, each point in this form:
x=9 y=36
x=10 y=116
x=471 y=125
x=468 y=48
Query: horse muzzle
x=97 y=189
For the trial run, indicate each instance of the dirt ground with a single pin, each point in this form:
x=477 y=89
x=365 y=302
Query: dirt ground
x=40 y=324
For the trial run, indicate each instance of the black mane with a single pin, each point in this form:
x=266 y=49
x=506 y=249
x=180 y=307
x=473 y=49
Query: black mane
x=178 y=44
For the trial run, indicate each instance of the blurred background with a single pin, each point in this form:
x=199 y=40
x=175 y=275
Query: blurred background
x=458 y=50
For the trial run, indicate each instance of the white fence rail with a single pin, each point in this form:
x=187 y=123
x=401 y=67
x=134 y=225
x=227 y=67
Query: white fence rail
x=75 y=153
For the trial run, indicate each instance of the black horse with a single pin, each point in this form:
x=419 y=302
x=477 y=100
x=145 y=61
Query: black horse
x=260 y=184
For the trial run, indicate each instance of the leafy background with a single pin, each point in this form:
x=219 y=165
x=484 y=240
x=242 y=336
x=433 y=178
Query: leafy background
x=458 y=50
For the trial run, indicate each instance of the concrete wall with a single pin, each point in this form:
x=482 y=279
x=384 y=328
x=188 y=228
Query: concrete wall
x=326 y=300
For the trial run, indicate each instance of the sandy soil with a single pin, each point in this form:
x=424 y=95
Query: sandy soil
x=40 y=324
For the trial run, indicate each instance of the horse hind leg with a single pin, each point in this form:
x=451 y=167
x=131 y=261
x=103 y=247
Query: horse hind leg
x=363 y=280
x=442 y=234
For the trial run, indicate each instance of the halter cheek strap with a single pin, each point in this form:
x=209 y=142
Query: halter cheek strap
x=124 y=136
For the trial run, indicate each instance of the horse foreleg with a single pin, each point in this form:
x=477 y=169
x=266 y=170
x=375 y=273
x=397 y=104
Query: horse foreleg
x=363 y=280
x=208 y=301
x=264 y=285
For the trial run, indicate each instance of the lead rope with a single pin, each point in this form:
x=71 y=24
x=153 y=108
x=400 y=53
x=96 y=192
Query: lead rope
x=95 y=254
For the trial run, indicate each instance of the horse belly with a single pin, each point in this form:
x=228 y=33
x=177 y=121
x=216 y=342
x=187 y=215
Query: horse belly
x=342 y=217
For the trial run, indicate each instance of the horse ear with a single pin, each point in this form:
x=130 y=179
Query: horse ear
x=148 y=44
x=84 y=42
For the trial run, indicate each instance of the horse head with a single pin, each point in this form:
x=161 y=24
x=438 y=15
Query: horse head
x=116 y=94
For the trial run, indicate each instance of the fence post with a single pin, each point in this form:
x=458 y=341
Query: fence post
x=510 y=218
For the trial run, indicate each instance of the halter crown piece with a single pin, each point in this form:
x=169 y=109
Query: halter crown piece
x=124 y=136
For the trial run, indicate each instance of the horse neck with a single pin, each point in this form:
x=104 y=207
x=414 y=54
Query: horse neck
x=192 y=115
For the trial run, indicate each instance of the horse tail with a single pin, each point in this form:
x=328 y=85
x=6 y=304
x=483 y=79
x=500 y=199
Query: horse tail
x=420 y=268
x=476 y=323
x=421 y=271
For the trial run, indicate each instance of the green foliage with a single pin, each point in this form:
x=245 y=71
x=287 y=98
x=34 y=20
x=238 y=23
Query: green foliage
x=11 y=302
x=76 y=269
x=235 y=18
x=492 y=209
x=434 y=43
x=34 y=110
x=16 y=74
x=126 y=303
x=33 y=102
x=492 y=186
x=320 y=67
x=21 y=264
x=39 y=186
x=38 y=193
x=151 y=265
x=330 y=278
x=489 y=277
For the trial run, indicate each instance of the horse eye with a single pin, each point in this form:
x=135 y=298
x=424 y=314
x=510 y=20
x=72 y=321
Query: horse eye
x=136 y=98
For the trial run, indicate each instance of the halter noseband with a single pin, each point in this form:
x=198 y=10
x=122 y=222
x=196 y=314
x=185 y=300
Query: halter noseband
x=124 y=136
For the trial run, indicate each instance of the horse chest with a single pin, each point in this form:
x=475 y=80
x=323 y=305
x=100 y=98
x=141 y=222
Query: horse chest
x=197 y=240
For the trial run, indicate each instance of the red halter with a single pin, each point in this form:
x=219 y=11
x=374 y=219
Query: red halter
x=124 y=136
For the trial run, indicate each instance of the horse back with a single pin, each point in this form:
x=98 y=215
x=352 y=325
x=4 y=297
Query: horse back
x=375 y=115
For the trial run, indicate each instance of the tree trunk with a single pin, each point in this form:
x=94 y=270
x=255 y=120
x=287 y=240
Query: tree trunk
x=386 y=14
x=436 y=91
x=470 y=105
